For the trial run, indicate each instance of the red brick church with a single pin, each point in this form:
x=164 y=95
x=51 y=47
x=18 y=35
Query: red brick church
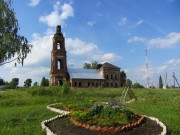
x=108 y=75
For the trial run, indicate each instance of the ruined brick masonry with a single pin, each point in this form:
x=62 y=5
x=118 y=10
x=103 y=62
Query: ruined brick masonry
x=108 y=75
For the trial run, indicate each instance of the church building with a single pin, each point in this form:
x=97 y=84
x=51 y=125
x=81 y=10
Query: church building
x=108 y=75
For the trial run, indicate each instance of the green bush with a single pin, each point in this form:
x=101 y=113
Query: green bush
x=137 y=85
x=41 y=91
x=95 y=109
x=65 y=87
x=56 y=88
x=80 y=116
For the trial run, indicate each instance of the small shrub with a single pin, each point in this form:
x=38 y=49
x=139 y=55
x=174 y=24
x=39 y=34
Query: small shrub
x=95 y=109
x=56 y=88
x=102 y=86
x=65 y=87
x=41 y=91
x=80 y=115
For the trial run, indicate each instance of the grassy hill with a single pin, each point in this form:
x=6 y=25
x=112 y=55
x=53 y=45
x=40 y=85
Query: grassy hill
x=22 y=110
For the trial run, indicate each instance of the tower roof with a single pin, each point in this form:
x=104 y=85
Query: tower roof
x=108 y=65
x=58 y=29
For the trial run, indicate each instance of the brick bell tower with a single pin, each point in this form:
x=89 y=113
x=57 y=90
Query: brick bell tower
x=58 y=73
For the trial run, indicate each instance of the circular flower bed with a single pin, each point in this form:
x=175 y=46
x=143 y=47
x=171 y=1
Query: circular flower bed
x=106 y=118
x=102 y=119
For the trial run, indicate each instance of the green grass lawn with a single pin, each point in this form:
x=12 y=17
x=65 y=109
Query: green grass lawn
x=23 y=110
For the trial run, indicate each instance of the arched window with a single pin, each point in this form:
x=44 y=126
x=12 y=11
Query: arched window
x=79 y=84
x=59 y=64
x=111 y=76
x=58 y=45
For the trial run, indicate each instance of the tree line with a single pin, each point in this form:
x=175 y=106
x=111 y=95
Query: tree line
x=13 y=84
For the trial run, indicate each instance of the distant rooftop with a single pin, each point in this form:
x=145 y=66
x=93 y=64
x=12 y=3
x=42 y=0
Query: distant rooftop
x=81 y=73
x=108 y=65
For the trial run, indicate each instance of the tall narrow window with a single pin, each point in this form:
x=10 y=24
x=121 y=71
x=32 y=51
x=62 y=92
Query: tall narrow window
x=111 y=76
x=79 y=84
x=75 y=84
x=106 y=76
x=59 y=64
x=58 y=45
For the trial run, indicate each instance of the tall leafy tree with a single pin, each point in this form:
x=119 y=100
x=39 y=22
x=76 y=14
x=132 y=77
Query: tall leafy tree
x=14 y=83
x=2 y=82
x=44 y=82
x=13 y=46
x=128 y=83
x=35 y=84
x=160 y=82
x=123 y=78
x=99 y=66
x=93 y=65
x=87 y=66
x=137 y=85
x=27 y=82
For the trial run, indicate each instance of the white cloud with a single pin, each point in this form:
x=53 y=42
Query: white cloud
x=37 y=63
x=139 y=22
x=55 y=17
x=106 y=57
x=123 y=21
x=67 y=11
x=79 y=47
x=80 y=52
x=171 y=40
x=41 y=47
x=173 y=62
x=139 y=74
x=136 y=39
x=162 y=68
x=34 y=3
x=91 y=23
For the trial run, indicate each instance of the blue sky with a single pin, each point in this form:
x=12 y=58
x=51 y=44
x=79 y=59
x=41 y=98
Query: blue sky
x=116 y=31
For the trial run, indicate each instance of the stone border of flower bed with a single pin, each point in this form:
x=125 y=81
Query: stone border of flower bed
x=97 y=128
x=43 y=123
x=109 y=129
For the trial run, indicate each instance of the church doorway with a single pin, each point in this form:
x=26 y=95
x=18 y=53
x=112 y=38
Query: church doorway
x=60 y=82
